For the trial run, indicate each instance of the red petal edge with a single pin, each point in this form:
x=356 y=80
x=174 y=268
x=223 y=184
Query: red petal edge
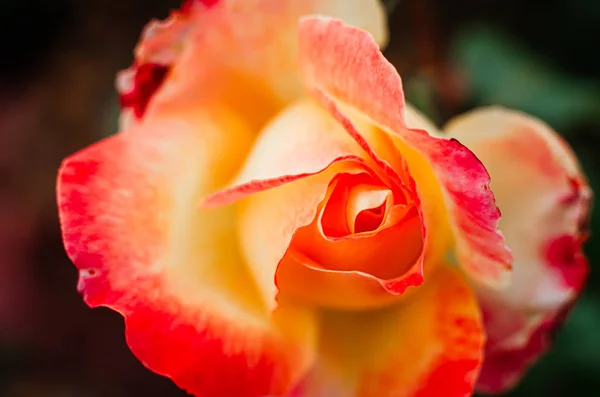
x=505 y=366
x=146 y=81
x=107 y=196
x=345 y=64
x=238 y=192
x=149 y=76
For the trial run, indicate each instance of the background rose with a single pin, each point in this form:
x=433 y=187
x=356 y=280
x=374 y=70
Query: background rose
x=545 y=201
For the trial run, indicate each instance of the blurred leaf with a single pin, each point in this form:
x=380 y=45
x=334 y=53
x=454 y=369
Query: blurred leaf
x=502 y=72
x=579 y=342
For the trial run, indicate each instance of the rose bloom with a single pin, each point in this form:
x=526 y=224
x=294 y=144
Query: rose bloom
x=274 y=220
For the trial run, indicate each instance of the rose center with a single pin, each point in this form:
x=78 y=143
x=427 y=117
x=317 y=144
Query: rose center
x=366 y=208
x=356 y=204
x=365 y=231
x=369 y=220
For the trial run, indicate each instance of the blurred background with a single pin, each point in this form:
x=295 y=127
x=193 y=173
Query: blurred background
x=57 y=70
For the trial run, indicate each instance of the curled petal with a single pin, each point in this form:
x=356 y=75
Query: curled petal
x=354 y=270
x=545 y=201
x=300 y=141
x=285 y=178
x=130 y=223
x=428 y=345
x=240 y=52
x=346 y=72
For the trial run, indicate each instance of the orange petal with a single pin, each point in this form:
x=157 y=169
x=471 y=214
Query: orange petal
x=240 y=52
x=130 y=223
x=429 y=345
x=346 y=72
x=301 y=141
x=284 y=180
x=545 y=202
x=354 y=270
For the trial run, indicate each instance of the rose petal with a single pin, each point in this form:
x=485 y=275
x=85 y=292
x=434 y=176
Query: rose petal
x=429 y=345
x=356 y=271
x=301 y=141
x=241 y=52
x=299 y=153
x=367 y=208
x=344 y=64
x=130 y=222
x=545 y=201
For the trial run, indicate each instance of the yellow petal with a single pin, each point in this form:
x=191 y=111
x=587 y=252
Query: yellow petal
x=130 y=221
x=345 y=71
x=429 y=345
x=240 y=52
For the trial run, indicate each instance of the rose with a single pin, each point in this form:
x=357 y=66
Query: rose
x=545 y=203
x=272 y=221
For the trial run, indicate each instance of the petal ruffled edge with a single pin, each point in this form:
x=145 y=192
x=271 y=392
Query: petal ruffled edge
x=261 y=56
x=287 y=174
x=128 y=212
x=343 y=67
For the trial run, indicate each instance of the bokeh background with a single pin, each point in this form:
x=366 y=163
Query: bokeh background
x=58 y=60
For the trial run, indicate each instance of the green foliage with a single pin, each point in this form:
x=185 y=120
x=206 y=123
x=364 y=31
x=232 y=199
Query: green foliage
x=500 y=70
